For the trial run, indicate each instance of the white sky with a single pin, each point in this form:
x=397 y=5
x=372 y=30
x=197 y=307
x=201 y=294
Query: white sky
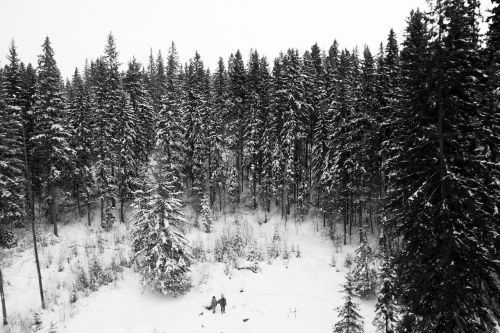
x=78 y=29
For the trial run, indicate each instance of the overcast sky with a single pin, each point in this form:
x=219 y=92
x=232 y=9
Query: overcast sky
x=78 y=29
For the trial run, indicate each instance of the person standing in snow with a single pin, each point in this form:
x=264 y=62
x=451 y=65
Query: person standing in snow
x=213 y=305
x=222 y=303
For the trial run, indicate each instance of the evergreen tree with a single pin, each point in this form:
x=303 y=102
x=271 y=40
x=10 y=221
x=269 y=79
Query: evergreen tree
x=128 y=163
x=135 y=85
x=219 y=102
x=164 y=253
x=444 y=200
x=237 y=112
x=265 y=186
x=350 y=319
x=386 y=311
x=51 y=136
x=195 y=111
x=28 y=98
x=170 y=130
x=492 y=120
x=79 y=115
x=364 y=277
x=12 y=175
x=207 y=219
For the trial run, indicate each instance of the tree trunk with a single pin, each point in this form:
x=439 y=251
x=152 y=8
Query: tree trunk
x=78 y=201
x=346 y=212
x=88 y=213
x=53 y=208
x=2 y=297
x=31 y=214
x=37 y=263
x=360 y=221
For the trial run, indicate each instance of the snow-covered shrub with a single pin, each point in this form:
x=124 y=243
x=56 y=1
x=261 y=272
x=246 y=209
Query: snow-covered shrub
x=199 y=253
x=274 y=247
x=7 y=238
x=229 y=246
x=348 y=260
x=254 y=253
x=46 y=240
x=207 y=218
x=97 y=275
x=364 y=277
x=81 y=280
x=285 y=254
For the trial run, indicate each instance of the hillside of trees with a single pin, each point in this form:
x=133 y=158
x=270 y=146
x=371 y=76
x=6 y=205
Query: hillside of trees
x=403 y=139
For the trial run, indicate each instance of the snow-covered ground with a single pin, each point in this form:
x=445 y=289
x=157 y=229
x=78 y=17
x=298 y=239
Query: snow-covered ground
x=292 y=295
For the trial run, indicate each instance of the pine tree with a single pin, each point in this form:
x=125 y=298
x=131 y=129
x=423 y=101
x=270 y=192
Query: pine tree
x=164 y=253
x=265 y=187
x=51 y=136
x=237 y=113
x=492 y=120
x=253 y=127
x=79 y=115
x=108 y=94
x=128 y=162
x=219 y=102
x=385 y=309
x=12 y=175
x=364 y=277
x=444 y=201
x=170 y=129
x=207 y=219
x=350 y=319
x=28 y=97
x=196 y=109
x=135 y=85
x=320 y=163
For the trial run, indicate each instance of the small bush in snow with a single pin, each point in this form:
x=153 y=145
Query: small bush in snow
x=97 y=275
x=199 y=253
x=46 y=240
x=285 y=253
x=274 y=248
x=7 y=238
x=348 y=260
x=229 y=247
x=81 y=280
x=254 y=253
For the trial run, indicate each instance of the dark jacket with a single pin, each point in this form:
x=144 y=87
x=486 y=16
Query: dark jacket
x=214 y=303
x=222 y=301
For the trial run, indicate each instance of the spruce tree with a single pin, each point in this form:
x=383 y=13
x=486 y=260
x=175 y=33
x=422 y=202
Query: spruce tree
x=164 y=255
x=51 y=136
x=237 y=112
x=79 y=115
x=219 y=102
x=206 y=214
x=386 y=308
x=12 y=175
x=170 y=132
x=444 y=200
x=350 y=320
x=364 y=277
x=265 y=187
